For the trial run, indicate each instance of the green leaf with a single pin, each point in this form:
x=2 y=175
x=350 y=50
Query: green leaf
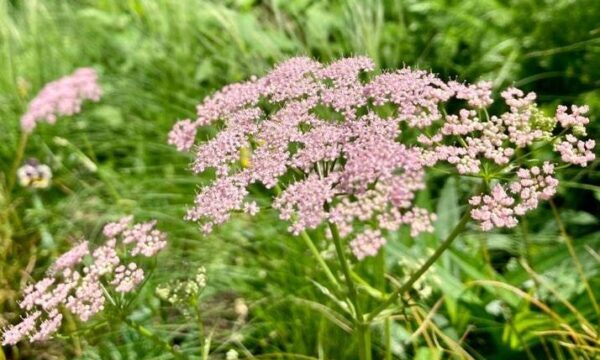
x=448 y=212
x=424 y=353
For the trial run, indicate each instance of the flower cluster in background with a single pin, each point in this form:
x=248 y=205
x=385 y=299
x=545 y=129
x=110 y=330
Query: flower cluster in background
x=334 y=136
x=62 y=97
x=79 y=279
x=182 y=291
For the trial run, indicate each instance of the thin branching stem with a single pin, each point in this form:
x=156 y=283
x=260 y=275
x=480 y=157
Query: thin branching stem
x=142 y=330
x=12 y=177
x=423 y=269
x=315 y=251
x=362 y=328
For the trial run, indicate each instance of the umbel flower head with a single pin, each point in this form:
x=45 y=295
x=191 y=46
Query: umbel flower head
x=62 y=97
x=79 y=279
x=352 y=148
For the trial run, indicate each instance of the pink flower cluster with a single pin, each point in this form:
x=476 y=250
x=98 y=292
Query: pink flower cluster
x=367 y=244
x=62 y=97
x=500 y=209
x=333 y=140
x=79 y=278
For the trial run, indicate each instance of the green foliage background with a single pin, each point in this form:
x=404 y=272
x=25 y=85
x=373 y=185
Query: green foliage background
x=158 y=58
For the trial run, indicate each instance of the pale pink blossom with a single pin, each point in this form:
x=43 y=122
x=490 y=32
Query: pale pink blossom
x=62 y=97
x=575 y=118
x=303 y=202
x=367 y=243
x=494 y=210
x=113 y=229
x=339 y=141
x=183 y=134
x=146 y=240
x=48 y=326
x=80 y=286
x=575 y=151
x=127 y=277
x=71 y=257
x=13 y=334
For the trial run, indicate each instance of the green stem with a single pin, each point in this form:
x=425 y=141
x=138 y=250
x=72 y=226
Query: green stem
x=47 y=239
x=72 y=326
x=578 y=266
x=311 y=245
x=362 y=328
x=206 y=347
x=12 y=177
x=200 y=323
x=520 y=339
x=417 y=275
x=388 y=338
x=315 y=251
x=142 y=330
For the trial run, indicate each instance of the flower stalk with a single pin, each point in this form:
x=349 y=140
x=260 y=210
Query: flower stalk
x=362 y=328
x=144 y=331
x=423 y=269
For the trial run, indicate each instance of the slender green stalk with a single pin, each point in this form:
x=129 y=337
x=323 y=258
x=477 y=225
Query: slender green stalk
x=352 y=293
x=12 y=177
x=528 y=353
x=387 y=334
x=315 y=251
x=311 y=245
x=72 y=326
x=578 y=266
x=417 y=275
x=199 y=322
x=366 y=334
x=47 y=239
x=142 y=330
x=362 y=328
x=206 y=347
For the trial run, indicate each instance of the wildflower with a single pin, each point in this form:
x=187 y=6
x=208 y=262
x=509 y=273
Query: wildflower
x=241 y=309
x=251 y=208
x=339 y=145
x=71 y=257
x=494 y=210
x=14 y=333
x=35 y=175
x=183 y=290
x=533 y=185
x=575 y=151
x=62 y=97
x=367 y=244
x=201 y=277
x=127 y=277
x=232 y=355
x=48 y=326
x=79 y=279
x=183 y=135
x=576 y=118
x=304 y=201
x=495 y=307
x=146 y=239
x=113 y=229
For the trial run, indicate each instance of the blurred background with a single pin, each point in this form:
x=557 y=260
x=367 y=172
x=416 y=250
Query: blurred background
x=157 y=59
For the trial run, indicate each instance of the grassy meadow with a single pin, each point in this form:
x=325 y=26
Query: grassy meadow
x=518 y=294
